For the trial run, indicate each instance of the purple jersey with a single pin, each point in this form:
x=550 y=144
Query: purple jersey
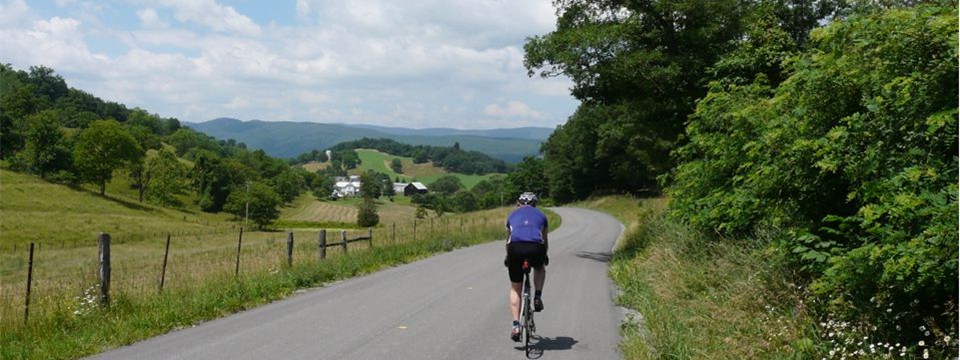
x=525 y=224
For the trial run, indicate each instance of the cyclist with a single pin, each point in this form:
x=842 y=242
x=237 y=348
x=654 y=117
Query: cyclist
x=526 y=239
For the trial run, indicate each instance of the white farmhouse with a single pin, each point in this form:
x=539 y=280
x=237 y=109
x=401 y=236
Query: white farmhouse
x=346 y=188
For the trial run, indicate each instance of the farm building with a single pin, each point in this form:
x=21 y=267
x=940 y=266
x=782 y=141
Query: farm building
x=414 y=188
x=346 y=187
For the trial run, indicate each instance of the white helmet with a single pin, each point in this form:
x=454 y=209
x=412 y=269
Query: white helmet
x=527 y=198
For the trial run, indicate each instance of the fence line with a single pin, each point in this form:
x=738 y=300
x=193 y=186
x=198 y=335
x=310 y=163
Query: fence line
x=60 y=276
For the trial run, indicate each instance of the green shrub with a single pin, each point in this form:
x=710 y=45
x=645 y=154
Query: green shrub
x=853 y=159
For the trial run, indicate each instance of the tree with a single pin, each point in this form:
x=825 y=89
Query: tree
x=447 y=185
x=388 y=190
x=18 y=101
x=288 y=185
x=262 y=201
x=49 y=86
x=367 y=210
x=420 y=156
x=322 y=187
x=44 y=143
x=421 y=212
x=102 y=148
x=367 y=213
x=370 y=185
x=529 y=176
x=464 y=201
x=396 y=166
x=164 y=179
x=212 y=180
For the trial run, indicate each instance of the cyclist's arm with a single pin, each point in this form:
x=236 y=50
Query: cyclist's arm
x=546 y=244
x=507 y=242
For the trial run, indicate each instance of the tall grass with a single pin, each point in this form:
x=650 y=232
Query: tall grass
x=699 y=298
x=200 y=284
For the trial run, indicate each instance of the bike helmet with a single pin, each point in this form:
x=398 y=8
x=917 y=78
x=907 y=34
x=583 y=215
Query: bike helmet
x=527 y=198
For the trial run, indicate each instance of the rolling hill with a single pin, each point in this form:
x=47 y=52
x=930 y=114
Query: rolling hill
x=289 y=139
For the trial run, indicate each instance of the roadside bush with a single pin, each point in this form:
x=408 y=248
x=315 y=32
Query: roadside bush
x=854 y=159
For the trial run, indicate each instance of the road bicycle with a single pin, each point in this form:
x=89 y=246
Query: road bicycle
x=526 y=310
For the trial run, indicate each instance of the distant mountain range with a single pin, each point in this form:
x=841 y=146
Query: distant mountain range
x=288 y=139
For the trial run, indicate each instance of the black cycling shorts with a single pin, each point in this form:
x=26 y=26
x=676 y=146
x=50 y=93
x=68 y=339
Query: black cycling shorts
x=517 y=252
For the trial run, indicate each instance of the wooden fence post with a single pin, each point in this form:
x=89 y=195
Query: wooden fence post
x=163 y=272
x=239 y=243
x=343 y=239
x=103 y=273
x=290 y=248
x=322 y=241
x=370 y=235
x=26 y=310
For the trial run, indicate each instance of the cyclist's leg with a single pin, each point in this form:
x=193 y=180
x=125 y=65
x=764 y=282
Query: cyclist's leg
x=539 y=276
x=515 y=300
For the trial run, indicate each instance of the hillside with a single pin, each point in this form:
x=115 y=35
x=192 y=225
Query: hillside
x=38 y=211
x=289 y=139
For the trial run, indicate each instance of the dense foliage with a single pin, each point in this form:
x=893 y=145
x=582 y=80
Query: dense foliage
x=852 y=158
x=830 y=124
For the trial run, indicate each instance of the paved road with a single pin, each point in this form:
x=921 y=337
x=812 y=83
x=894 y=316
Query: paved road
x=450 y=306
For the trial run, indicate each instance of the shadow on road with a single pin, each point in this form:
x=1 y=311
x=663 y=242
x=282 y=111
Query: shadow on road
x=541 y=344
x=597 y=256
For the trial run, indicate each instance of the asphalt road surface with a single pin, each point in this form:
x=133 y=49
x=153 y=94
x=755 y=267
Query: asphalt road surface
x=450 y=306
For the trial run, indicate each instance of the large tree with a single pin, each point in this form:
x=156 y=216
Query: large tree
x=103 y=147
x=164 y=176
x=639 y=68
x=256 y=200
x=447 y=185
x=44 y=143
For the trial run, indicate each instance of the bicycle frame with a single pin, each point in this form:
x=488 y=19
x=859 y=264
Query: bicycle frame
x=526 y=308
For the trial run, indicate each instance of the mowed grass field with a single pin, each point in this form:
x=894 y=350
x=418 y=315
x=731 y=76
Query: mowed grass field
x=307 y=209
x=425 y=173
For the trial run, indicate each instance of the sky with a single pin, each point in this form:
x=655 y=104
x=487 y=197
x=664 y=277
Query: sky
x=410 y=63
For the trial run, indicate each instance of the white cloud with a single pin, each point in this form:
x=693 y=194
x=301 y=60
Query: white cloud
x=213 y=15
x=14 y=13
x=303 y=8
x=427 y=63
x=150 y=19
x=511 y=109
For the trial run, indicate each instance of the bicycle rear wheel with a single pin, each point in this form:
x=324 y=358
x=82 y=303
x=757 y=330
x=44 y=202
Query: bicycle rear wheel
x=527 y=315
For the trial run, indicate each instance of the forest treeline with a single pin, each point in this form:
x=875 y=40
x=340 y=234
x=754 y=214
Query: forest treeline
x=69 y=136
x=831 y=125
x=451 y=158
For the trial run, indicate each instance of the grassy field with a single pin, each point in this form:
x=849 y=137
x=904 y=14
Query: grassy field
x=307 y=209
x=199 y=281
x=701 y=298
x=425 y=173
x=55 y=215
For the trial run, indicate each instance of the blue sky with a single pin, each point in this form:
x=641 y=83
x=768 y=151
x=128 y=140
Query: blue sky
x=413 y=63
